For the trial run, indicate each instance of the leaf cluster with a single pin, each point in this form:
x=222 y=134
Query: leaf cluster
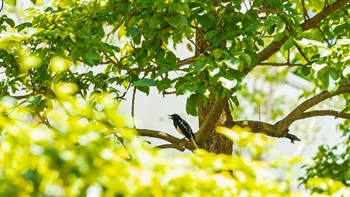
x=330 y=172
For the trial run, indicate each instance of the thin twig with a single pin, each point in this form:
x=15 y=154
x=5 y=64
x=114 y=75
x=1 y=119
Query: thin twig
x=305 y=14
x=278 y=64
x=191 y=41
x=302 y=53
x=122 y=143
x=133 y=107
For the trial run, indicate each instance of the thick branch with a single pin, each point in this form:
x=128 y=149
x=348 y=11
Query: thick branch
x=265 y=128
x=158 y=134
x=299 y=110
x=334 y=113
x=210 y=120
x=312 y=22
x=281 y=128
x=177 y=143
x=308 y=24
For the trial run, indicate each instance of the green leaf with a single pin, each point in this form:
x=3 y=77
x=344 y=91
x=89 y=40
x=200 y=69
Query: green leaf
x=334 y=74
x=186 y=9
x=105 y=48
x=87 y=60
x=191 y=105
x=132 y=32
x=93 y=54
x=331 y=85
x=206 y=21
x=99 y=31
x=178 y=21
x=305 y=70
x=252 y=27
x=144 y=83
x=269 y=22
x=228 y=83
x=9 y=21
x=230 y=35
x=259 y=41
x=246 y=58
x=11 y=2
x=324 y=52
x=308 y=43
x=144 y=89
x=211 y=34
x=278 y=37
x=164 y=84
x=234 y=99
x=346 y=71
x=272 y=29
x=156 y=20
x=220 y=92
x=289 y=44
x=277 y=4
x=341 y=28
x=163 y=70
x=217 y=53
x=169 y=60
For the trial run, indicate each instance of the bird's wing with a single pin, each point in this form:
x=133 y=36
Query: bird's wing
x=186 y=127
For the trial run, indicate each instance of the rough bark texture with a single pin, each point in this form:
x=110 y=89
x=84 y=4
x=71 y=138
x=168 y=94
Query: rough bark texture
x=209 y=139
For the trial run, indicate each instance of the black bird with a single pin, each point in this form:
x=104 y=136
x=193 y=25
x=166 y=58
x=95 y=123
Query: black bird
x=183 y=128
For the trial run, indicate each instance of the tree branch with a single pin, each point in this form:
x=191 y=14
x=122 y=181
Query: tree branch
x=185 y=144
x=312 y=22
x=334 y=113
x=302 y=53
x=175 y=146
x=211 y=118
x=186 y=61
x=158 y=134
x=299 y=110
x=279 y=64
x=308 y=24
x=281 y=128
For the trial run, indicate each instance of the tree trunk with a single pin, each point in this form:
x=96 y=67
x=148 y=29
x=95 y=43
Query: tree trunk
x=212 y=141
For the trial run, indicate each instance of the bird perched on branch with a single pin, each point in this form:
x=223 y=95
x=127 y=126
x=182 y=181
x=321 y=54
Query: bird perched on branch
x=183 y=128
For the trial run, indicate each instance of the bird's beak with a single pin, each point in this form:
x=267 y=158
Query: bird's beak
x=170 y=116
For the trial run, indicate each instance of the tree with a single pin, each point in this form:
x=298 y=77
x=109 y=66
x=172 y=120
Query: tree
x=230 y=39
x=55 y=56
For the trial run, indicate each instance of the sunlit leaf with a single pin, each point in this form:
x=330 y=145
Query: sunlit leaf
x=11 y=2
x=145 y=82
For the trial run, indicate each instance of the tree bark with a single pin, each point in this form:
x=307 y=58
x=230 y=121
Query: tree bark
x=209 y=139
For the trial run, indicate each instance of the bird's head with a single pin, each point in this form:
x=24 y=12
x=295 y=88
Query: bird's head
x=174 y=116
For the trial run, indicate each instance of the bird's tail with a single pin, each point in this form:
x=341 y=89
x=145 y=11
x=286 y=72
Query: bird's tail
x=194 y=143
